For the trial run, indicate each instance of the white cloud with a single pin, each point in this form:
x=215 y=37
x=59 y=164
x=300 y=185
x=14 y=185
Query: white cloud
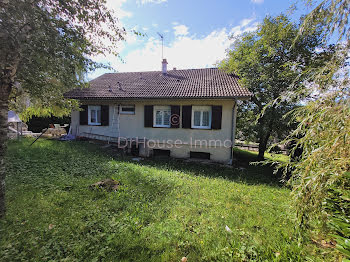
x=180 y=30
x=246 y=25
x=187 y=51
x=151 y=1
x=258 y=1
x=116 y=6
x=246 y=21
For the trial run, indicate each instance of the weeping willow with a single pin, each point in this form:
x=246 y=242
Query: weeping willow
x=320 y=177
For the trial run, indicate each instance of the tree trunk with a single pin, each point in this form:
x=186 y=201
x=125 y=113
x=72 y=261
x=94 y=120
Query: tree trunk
x=263 y=145
x=10 y=57
x=264 y=136
x=6 y=83
x=4 y=95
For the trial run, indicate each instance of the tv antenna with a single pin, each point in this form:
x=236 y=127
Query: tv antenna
x=161 y=37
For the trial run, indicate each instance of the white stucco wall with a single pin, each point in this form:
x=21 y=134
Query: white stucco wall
x=110 y=130
x=180 y=141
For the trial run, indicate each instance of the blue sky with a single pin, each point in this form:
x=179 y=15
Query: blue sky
x=196 y=32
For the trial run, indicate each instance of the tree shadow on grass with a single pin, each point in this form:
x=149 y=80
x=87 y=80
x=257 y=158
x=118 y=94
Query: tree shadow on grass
x=67 y=155
x=49 y=164
x=249 y=174
x=241 y=171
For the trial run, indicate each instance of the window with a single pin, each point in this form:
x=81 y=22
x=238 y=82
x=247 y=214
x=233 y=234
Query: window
x=127 y=110
x=94 y=115
x=162 y=116
x=201 y=117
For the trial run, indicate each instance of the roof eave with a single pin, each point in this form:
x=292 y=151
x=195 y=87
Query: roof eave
x=247 y=97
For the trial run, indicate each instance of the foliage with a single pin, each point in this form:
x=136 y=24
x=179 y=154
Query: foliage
x=325 y=133
x=37 y=124
x=324 y=130
x=47 y=46
x=268 y=64
x=163 y=211
x=319 y=176
x=338 y=205
x=332 y=15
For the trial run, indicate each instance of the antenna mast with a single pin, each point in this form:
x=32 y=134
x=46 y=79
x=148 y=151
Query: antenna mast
x=161 y=37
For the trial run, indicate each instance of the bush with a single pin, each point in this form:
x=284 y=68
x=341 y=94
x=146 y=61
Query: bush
x=37 y=124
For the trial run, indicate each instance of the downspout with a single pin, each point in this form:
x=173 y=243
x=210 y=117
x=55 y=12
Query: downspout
x=118 y=122
x=233 y=130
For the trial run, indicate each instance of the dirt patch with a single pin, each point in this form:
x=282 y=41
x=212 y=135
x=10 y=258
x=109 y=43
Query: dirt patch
x=324 y=244
x=106 y=184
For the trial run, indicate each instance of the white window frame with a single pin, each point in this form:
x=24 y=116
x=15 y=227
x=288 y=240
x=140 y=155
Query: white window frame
x=96 y=108
x=161 y=108
x=201 y=109
x=127 y=112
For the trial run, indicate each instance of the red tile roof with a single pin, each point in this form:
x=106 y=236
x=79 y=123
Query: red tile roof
x=190 y=83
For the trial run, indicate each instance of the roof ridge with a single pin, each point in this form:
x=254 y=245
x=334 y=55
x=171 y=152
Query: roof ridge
x=154 y=71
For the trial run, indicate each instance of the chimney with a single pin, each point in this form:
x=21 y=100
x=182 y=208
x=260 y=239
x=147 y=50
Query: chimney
x=164 y=66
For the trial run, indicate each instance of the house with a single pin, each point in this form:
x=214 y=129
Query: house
x=180 y=113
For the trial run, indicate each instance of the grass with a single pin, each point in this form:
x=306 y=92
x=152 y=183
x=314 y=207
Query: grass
x=252 y=155
x=163 y=211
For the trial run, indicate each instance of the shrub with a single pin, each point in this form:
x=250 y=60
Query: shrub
x=37 y=124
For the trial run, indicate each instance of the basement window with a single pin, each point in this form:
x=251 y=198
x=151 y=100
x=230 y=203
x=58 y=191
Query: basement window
x=127 y=110
x=161 y=152
x=199 y=155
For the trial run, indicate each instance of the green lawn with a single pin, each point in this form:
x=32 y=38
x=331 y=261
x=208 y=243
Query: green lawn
x=252 y=155
x=163 y=211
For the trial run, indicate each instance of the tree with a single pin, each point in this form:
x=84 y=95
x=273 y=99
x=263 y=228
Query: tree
x=269 y=62
x=248 y=129
x=321 y=177
x=45 y=49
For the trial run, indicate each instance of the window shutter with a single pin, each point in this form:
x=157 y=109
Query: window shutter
x=186 y=116
x=104 y=115
x=84 y=115
x=216 y=117
x=148 y=116
x=175 y=117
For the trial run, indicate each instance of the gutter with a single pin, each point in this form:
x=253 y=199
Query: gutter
x=118 y=112
x=246 y=97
